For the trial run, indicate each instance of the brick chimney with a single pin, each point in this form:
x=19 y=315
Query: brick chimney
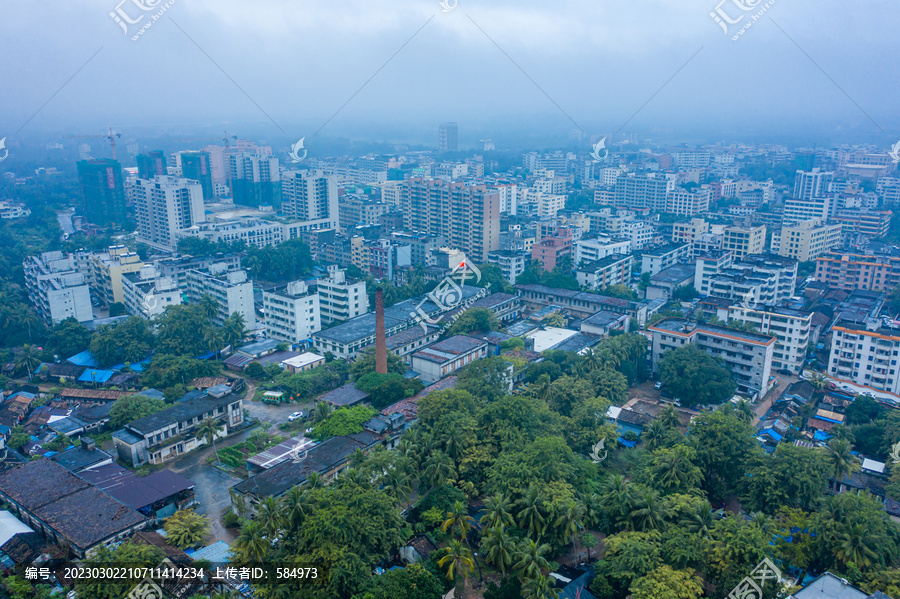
x=380 y=343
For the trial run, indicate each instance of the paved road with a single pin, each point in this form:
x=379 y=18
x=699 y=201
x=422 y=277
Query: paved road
x=783 y=382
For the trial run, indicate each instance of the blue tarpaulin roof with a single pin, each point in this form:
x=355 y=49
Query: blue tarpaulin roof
x=85 y=358
x=772 y=433
x=96 y=376
x=821 y=436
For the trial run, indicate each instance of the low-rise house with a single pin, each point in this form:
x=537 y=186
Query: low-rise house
x=53 y=501
x=157 y=495
x=172 y=432
x=603 y=322
x=446 y=357
x=303 y=362
x=80 y=458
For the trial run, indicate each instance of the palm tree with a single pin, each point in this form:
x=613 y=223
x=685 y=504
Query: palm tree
x=209 y=306
x=819 y=381
x=531 y=514
x=233 y=329
x=209 y=429
x=496 y=512
x=699 y=519
x=591 y=360
x=530 y=560
x=544 y=388
x=840 y=460
x=28 y=358
x=669 y=417
x=649 y=513
x=214 y=339
x=617 y=499
x=570 y=521
x=322 y=411
x=453 y=442
x=269 y=515
x=541 y=587
x=397 y=484
x=314 y=481
x=460 y=522
x=557 y=320
x=654 y=434
x=439 y=469
x=859 y=545
x=498 y=548
x=297 y=506
x=251 y=544
x=457 y=560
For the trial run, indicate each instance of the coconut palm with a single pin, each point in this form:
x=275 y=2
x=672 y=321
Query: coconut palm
x=322 y=411
x=209 y=306
x=314 y=481
x=269 y=515
x=544 y=388
x=654 y=435
x=557 y=320
x=28 y=358
x=648 y=513
x=458 y=561
x=497 y=512
x=570 y=521
x=530 y=561
x=540 y=587
x=669 y=417
x=532 y=512
x=698 y=519
x=617 y=499
x=208 y=430
x=840 y=461
x=459 y=522
x=397 y=484
x=859 y=545
x=439 y=469
x=499 y=548
x=297 y=506
x=591 y=360
x=214 y=339
x=251 y=544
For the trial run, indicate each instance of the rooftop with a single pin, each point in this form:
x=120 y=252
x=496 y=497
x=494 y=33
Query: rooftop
x=448 y=348
x=76 y=458
x=134 y=491
x=346 y=395
x=88 y=517
x=38 y=483
x=688 y=328
x=181 y=412
x=674 y=274
x=665 y=249
x=603 y=318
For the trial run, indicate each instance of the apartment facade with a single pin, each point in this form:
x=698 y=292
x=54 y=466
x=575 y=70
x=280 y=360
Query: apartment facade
x=107 y=269
x=612 y=270
x=747 y=355
x=292 y=314
x=657 y=260
x=147 y=293
x=597 y=248
x=310 y=197
x=164 y=205
x=511 y=263
x=341 y=299
x=56 y=289
x=805 y=240
x=688 y=202
x=743 y=241
x=848 y=271
x=791 y=329
x=642 y=191
x=232 y=290
x=866 y=355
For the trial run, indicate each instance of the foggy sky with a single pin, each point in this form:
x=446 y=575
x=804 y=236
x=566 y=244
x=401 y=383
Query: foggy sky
x=299 y=61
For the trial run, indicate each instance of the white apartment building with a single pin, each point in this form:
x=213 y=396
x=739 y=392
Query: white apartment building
x=661 y=258
x=511 y=263
x=709 y=265
x=743 y=241
x=805 y=240
x=340 y=299
x=812 y=184
x=57 y=290
x=310 y=196
x=688 y=202
x=866 y=356
x=612 y=270
x=687 y=232
x=548 y=205
x=390 y=193
x=232 y=290
x=608 y=176
x=597 y=248
x=639 y=232
x=252 y=231
x=791 y=329
x=799 y=210
x=147 y=293
x=163 y=206
x=107 y=269
x=767 y=280
x=292 y=314
x=747 y=355
x=706 y=243
x=10 y=210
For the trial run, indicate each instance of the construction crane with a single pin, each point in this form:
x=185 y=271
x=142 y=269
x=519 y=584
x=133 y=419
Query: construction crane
x=227 y=141
x=112 y=136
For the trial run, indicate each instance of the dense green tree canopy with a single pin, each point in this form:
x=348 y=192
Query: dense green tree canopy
x=695 y=377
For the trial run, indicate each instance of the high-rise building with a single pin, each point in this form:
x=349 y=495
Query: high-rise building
x=256 y=180
x=448 y=137
x=311 y=196
x=103 y=190
x=812 y=184
x=467 y=216
x=688 y=202
x=232 y=290
x=196 y=166
x=340 y=299
x=151 y=164
x=163 y=206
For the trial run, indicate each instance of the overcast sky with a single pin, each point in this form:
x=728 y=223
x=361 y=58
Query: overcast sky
x=285 y=67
